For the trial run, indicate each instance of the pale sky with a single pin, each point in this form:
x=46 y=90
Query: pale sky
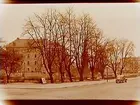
x=116 y=20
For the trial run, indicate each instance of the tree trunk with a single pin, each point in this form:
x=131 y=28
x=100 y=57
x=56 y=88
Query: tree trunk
x=61 y=73
x=102 y=74
x=51 y=74
x=51 y=77
x=92 y=75
x=81 y=76
x=62 y=77
x=68 y=70
x=115 y=71
x=115 y=74
x=48 y=67
x=121 y=72
x=70 y=76
x=7 y=79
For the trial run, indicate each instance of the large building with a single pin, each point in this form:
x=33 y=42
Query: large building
x=32 y=62
x=31 y=58
x=132 y=65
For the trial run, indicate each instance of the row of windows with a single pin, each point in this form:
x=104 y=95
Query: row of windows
x=29 y=56
x=29 y=69
x=28 y=63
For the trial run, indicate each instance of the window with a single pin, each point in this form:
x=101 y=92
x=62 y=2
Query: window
x=35 y=55
x=28 y=63
x=28 y=69
x=28 y=56
x=35 y=69
x=35 y=62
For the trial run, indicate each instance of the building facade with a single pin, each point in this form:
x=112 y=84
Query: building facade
x=132 y=65
x=31 y=61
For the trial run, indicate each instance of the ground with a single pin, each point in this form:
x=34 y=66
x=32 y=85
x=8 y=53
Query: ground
x=81 y=90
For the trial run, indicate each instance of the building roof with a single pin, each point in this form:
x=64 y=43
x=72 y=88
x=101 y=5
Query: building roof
x=24 y=43
x=133 y=58
x=20 y=43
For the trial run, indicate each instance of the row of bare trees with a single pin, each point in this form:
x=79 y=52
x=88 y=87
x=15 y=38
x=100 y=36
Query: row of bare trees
x=66 y=41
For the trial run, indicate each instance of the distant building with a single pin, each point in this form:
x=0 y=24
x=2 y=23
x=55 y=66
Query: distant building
x=32 y=59
x=132 y=65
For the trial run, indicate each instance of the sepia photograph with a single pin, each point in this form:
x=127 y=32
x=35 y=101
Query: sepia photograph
x=67 y=51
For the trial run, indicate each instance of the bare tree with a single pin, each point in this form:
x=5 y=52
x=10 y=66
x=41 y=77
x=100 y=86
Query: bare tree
x=95 y=51
x=119 y=51
x=102 y=57
x=11 y=62
x=114 y=52
x=44 y=30
x=126 y=50
x=83 y=31
x=69 y=61
x=62 y=40
x=68 y=30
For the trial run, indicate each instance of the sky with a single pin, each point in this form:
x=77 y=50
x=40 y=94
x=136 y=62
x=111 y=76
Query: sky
x=118 y=20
